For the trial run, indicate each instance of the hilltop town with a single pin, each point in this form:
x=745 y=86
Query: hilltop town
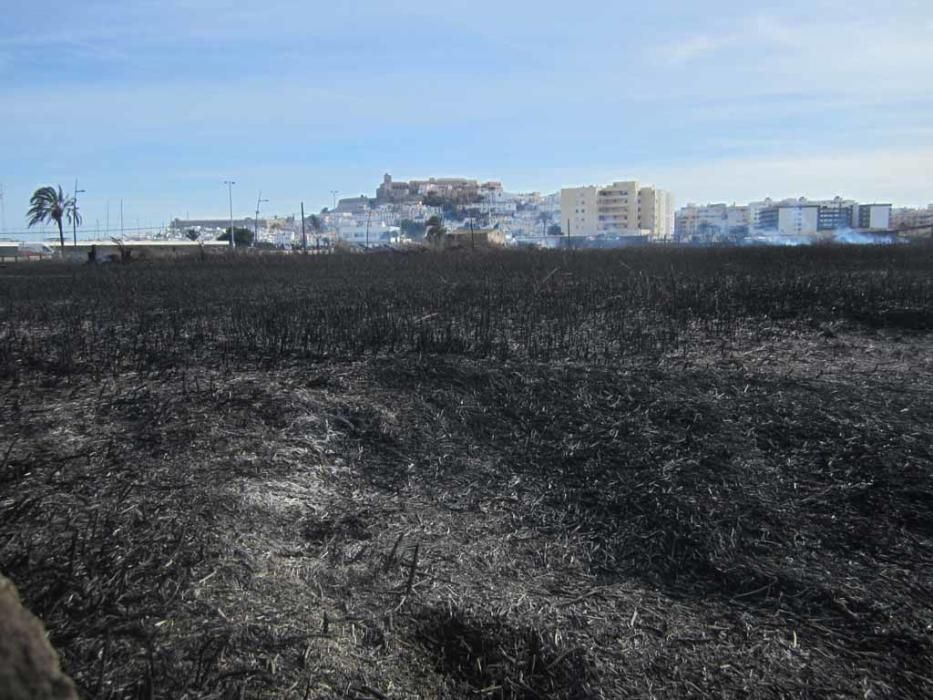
x=621 y=213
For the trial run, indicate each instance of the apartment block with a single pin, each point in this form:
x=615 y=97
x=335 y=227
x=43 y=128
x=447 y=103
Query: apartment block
x=579 y=213
x=711 y=222
x=873 y=217
x=656 y=212
x=809 y=217
x=792 y=218
x=907 y=218
x=617 y=207
x=620 y=208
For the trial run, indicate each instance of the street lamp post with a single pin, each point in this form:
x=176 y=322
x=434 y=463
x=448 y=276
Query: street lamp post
x=304 y=236
x=74 y=219
x=369 y=216
x=256 y=222
x=333 y=215
x=230 y=184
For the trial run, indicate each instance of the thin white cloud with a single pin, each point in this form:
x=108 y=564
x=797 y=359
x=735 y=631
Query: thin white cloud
x=821 y=54
x=695 y=47
x=902 y=177
x=772 y=81
x=351 y=106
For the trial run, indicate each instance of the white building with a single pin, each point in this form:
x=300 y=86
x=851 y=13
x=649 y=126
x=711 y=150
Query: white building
x=362 y=230
x=792 y=219
x=551 y=204
x=498 y=202
x=711 y=222
x=907 y=218
x=874 y=217
x=810 y=217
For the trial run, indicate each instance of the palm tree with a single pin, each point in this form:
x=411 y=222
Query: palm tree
x=48 y=205
x=435 y=230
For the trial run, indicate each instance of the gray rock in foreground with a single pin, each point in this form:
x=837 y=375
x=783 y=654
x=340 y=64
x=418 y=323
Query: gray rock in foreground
x=29 y=668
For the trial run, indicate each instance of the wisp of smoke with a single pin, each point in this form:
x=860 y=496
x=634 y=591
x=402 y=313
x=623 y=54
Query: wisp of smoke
x=847 y=235
x=843 y=236
x=778 y=239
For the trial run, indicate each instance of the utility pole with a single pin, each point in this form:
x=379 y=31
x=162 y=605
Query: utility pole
x=2 y=212
x=472 y=236
x=122 y=234
x=333 y=216
x=74 y=219
x=256 y=221
x=304 y=237
x=230 y=184
x=369 y=216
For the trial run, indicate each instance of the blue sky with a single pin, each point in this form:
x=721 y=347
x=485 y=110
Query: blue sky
x=158 y=101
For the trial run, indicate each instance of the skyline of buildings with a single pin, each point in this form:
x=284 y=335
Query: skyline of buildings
x=799 y=216
x=711 y=105
x=625 y=208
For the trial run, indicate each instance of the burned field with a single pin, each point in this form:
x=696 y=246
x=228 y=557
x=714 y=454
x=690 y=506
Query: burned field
x=633 y=474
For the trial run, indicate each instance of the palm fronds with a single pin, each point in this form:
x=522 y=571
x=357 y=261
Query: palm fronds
x=47 y=205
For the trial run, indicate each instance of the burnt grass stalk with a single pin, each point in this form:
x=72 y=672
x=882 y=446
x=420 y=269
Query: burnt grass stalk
x=513 y=475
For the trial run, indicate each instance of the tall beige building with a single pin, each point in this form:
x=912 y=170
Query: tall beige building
x=578 y=210
x=656 y=212
x=622 y=207
x=617 y=207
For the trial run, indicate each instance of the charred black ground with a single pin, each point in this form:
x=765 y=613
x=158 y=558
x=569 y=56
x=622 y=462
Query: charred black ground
x=644 y=473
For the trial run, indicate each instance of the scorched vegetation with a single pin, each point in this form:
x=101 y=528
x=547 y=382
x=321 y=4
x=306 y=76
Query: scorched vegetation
x=631 y=474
